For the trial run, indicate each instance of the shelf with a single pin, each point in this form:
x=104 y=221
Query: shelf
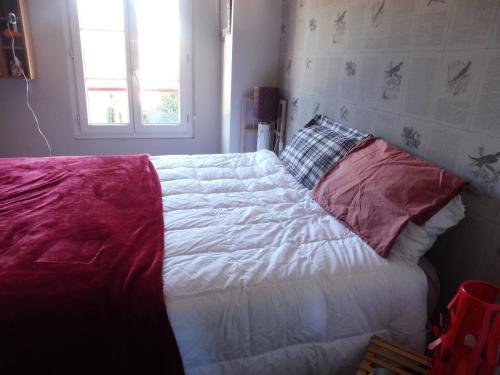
x=10 y=77
x=18 y=18
x=277 y=127
x=23 y=44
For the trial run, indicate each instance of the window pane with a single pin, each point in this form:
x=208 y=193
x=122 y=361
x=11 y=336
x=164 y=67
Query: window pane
x=160 y=107
x=158 y=20
x=154 y=13
x=101 y=14
x=104 y=54
x=107 y=102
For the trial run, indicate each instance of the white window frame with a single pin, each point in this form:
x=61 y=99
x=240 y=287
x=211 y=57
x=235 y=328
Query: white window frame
x=135 y=128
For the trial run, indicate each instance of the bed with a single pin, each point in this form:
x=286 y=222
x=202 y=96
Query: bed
x=248 y=256
x=258 y=278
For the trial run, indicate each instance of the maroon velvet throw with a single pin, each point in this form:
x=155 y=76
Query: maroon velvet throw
x=378 y=188
x=81 y=252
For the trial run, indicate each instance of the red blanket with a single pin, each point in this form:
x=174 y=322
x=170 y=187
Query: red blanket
x=81 y=251
x=378 y=188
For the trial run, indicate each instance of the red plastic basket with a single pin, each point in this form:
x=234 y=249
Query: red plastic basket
x=470 y=341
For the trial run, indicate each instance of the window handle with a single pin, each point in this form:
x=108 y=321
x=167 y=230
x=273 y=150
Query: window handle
x=137 y=77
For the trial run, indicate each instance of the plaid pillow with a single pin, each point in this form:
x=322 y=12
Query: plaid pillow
x=314 y=149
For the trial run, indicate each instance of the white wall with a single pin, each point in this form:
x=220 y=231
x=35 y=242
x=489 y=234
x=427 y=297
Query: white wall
x=52 y=93
x=254 y=51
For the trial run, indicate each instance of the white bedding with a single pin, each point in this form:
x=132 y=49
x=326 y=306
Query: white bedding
x=259 y=279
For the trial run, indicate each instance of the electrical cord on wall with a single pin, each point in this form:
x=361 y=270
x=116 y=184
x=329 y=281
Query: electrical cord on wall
x=12 y=21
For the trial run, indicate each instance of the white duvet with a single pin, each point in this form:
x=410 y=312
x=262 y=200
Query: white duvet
x=259 y=279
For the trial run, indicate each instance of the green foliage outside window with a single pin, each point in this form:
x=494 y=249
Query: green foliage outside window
x=166 y=112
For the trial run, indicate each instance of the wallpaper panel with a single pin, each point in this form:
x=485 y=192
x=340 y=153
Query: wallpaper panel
x=423 y=74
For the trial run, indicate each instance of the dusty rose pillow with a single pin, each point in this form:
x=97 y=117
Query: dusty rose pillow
x=378 y=188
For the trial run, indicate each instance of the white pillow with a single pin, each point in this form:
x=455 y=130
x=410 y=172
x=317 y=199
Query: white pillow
x=414 y=241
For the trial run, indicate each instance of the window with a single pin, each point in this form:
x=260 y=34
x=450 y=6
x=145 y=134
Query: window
x=133 y=70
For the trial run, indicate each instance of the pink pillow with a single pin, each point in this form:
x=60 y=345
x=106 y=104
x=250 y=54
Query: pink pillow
x=378 y=188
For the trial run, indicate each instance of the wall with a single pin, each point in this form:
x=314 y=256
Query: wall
x=423 y=74
x=52 y=93
x=253 y=50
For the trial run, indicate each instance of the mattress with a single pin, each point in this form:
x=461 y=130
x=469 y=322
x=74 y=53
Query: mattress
x=259 y=279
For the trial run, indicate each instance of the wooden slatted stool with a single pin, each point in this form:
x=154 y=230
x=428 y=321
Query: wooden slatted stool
x=384 y=354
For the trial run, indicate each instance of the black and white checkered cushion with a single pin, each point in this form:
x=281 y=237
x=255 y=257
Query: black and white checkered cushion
x=314 y=149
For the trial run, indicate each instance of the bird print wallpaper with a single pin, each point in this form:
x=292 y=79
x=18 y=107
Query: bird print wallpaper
x=422 y=74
